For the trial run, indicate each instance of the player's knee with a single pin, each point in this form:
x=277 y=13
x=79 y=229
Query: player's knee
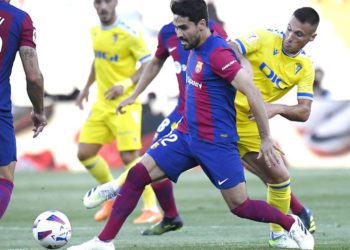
x=83 y=156
x=138 y=177
x=129 y=156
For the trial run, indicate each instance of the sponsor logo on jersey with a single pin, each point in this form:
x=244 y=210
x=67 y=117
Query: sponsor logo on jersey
x=270 y=74
x=172 y=49
x=228 y=65
x=199 y=67
x=192 y=82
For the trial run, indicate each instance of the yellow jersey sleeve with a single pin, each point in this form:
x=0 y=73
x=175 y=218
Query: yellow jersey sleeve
x=305 y=85
x=250 y=43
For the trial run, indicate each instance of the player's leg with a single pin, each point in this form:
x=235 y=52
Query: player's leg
x=7 y=160
x=172 y=154
x=129 y=143
x=260 y=211
x=6 y=186
x=150 y=212
x=93 y=135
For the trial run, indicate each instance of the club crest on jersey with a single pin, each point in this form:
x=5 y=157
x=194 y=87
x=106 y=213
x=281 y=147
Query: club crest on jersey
x=199 y=67
x=298 y=67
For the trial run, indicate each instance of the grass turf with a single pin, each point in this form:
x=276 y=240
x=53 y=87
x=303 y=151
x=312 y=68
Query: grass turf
x=208 y=222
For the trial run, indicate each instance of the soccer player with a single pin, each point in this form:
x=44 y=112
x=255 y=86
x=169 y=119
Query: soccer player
x=213 y=75
x=16 y=34
x=279 y=63
x=168 y=45
x=117 y=49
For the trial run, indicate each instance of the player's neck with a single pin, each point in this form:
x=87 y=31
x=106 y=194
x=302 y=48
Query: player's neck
x=206 y=34
x=290 y=54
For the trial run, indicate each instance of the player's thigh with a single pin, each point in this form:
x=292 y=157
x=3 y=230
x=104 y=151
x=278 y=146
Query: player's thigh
x=221 y=162
x=8 y=150
x=128 y=128
x=172 y=154
x=168 y=124
x=272 y=175
x=96 y=129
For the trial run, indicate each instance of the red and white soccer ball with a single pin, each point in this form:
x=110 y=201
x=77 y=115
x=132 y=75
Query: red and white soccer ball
x=52 y=229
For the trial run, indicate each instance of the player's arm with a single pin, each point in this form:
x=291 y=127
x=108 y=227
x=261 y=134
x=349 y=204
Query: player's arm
x=35 y=86
x=84 y=94
x=299 y=112
x=244 y=84
x=243 y=61
x=150 y=72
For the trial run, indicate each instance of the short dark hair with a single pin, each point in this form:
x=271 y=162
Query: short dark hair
x=195 y=10
x=307 y=15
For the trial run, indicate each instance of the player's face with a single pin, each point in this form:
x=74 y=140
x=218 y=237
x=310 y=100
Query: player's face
x=298 y=35
x=106 y=10
x=187 y=32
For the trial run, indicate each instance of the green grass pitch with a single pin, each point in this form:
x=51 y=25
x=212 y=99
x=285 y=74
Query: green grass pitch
x=208 y=222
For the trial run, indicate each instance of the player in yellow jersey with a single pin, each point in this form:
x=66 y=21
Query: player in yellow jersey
x=117 y=49
x=278 y=63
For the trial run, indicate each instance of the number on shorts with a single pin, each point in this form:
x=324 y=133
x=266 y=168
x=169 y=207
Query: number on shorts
x=163 y=125
x=169 y=138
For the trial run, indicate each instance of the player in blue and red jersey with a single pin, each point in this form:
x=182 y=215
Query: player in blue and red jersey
x=16 y=33
x=207 y=133
x=168 y=46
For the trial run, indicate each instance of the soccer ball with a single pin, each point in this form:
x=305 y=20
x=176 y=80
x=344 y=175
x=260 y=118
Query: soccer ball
x=52 y=229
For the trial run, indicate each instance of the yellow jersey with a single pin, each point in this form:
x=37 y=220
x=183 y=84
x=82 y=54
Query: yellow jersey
x=275 y=72
x=117 y=49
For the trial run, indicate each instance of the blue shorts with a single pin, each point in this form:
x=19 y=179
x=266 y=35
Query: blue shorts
x=168 y=124
x=177 y=152
x=7 y=139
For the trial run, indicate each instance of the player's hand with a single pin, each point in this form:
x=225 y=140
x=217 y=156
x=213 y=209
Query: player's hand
x=80 y=99
x=128 y=101
x=270 y=152
x=271 y=111
x=39 y=121
x=114 y=92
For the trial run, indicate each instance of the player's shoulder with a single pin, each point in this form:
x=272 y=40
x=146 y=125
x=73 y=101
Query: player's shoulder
x=13 y=10
x=167 y=29
x=127 y=27
x=275 y=33
x=305 y=57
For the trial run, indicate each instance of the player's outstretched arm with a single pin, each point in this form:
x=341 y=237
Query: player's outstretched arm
x=243 y=83
x=35 y=86
x=149 y=73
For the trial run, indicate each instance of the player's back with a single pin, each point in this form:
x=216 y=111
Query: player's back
x=12 y=31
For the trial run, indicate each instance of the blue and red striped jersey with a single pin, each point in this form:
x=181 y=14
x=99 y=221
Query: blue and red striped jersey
x=170 y=45
x=209 y=112
x=16 y=29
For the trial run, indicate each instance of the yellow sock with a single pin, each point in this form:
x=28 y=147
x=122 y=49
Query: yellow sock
x=278 y=196
x=98 y=168
x=148 y=195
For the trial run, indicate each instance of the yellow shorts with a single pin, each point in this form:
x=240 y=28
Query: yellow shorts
x=249 y=138
x=104 y=125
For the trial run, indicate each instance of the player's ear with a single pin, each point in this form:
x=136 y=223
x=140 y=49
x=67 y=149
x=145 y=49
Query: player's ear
x=312 y=37
x=202 y=24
